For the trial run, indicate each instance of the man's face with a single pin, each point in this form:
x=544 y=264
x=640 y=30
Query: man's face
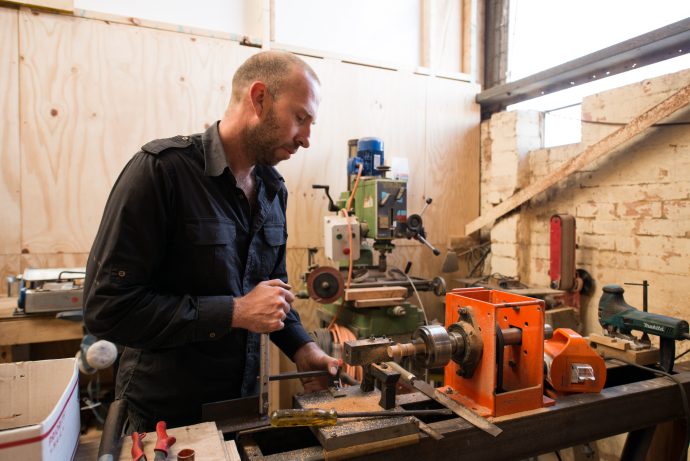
x=286 y=125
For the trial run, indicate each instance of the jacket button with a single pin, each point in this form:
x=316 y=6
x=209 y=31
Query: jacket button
x=121 y=273
x=212 y=335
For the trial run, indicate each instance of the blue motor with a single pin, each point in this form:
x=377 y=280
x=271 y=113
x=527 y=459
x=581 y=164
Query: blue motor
x=369 y=154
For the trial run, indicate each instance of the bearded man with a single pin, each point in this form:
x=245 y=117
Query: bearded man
x=188 y=266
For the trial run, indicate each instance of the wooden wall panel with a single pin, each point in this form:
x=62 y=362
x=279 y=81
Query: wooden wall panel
x=452 y=157
x=9 y=134
x=92 y=94
x=357 y=101
x=10 y=155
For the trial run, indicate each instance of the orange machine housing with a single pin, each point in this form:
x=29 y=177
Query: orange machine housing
x=567 y=349
x=522 y=366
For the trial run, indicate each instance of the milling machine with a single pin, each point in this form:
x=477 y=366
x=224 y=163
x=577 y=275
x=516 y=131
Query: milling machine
x=364 y=295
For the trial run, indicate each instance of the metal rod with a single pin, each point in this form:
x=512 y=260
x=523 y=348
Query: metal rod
x=369 y=414
x=299 y=374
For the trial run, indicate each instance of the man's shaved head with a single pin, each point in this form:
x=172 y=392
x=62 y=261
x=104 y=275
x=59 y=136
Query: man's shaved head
x=270 y=67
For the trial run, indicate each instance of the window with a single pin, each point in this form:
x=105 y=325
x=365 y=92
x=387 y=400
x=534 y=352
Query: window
x=546 y=33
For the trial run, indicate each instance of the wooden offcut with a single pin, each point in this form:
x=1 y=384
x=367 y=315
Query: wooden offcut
x=66 y=6
x=616 y=348
x=356 y=294
x=383 y=302
x=590 y=154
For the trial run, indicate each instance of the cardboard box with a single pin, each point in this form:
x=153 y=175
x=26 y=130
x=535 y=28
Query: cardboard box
x=39 y=410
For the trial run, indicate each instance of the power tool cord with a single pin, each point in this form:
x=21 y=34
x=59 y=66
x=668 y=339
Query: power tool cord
x=346 y=212
x=683 y=396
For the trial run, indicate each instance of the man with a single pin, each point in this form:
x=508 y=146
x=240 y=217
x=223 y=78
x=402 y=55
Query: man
x=188 y=266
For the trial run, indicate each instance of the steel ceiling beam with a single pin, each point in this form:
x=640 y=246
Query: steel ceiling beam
x=658 y=45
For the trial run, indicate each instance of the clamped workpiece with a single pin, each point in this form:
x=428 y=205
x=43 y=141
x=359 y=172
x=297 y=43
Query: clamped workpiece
x=371 y=353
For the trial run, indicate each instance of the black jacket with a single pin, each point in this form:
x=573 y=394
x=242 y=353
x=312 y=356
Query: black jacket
x=176 y=244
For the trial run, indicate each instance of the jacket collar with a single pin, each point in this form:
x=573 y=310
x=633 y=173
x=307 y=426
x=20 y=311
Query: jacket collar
x=215 y=162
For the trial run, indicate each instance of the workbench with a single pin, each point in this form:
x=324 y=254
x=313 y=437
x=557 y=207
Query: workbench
x=16 y=329
x=634 y=401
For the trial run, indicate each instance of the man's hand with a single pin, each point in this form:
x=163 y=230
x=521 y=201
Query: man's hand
x=311 y=358
x=263 y=309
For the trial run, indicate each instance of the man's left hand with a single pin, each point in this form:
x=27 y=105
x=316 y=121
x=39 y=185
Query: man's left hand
x=310 y=358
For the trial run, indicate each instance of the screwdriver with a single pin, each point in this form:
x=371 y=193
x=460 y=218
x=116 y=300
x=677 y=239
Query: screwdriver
x=319 y=418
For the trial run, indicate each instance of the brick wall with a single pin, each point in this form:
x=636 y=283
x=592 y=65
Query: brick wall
x=632 y=207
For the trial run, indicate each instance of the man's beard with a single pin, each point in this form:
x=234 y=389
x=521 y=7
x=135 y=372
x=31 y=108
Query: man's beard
x=262 y=140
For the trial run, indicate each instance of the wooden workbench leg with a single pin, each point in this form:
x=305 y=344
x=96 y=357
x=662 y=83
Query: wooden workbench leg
x=669 y=441
x=637 y=444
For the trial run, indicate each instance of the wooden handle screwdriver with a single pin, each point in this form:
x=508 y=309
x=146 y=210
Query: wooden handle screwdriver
x=320 y=417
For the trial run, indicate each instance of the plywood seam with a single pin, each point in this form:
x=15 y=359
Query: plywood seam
x=20 y=150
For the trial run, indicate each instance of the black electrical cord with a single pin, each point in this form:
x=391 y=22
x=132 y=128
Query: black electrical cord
x=682 y=354
x=683 y=396
x=558 y=455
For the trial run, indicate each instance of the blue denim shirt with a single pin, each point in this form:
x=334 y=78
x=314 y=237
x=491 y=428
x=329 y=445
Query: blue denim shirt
x=176 y=244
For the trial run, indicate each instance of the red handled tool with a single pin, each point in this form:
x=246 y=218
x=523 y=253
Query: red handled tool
x=138 y=446
x=163 y=444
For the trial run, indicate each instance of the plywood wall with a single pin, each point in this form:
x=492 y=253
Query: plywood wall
x=80 y=96
x=9 y=144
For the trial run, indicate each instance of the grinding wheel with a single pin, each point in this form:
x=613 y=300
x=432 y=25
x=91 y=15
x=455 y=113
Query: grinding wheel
x=325 y=284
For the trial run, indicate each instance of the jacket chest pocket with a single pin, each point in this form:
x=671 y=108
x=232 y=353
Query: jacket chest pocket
x=210 y=251
x=273 y=242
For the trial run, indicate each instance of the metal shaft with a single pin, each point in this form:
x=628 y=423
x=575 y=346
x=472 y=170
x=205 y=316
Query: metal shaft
x=369 y=414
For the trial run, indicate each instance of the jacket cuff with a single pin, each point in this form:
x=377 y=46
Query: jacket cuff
x=215 y=317
x=291 y=338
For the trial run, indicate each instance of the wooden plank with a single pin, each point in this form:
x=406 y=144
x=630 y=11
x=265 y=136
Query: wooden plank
x=365 y=303
x=597 y=150
x=620 y=349
x=9 y=135
x=451 y=162
x=371 y=447
x=355 y=294
x=468 y=40
x=426 y=22
x=202 y=438
x=231 y=450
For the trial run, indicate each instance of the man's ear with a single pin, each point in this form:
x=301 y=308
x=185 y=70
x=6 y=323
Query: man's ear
x=258 y=95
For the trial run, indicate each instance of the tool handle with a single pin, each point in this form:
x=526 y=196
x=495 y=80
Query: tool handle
x=138 y=446
x=303 y=417
x=164 y=442
x=112 y=430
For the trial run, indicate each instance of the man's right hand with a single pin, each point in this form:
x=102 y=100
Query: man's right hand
x=263 y=309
